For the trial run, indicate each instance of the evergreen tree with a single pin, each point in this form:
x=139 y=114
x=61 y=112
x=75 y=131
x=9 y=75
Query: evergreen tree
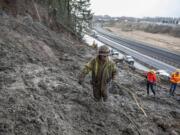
x=81 y=15
x=74 y=15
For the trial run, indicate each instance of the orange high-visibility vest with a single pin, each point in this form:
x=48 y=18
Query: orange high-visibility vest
x=151 y=77
x=175 y=78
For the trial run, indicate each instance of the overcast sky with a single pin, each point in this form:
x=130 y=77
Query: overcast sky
x=136 y=8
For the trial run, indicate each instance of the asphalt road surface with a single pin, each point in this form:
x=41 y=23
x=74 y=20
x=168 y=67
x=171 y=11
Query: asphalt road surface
x=155 y=57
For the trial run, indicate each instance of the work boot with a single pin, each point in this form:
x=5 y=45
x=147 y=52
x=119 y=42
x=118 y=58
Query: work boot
x=170 y=91
x=105 y=99
x=97 y=99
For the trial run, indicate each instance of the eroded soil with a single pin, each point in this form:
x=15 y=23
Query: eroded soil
x=39 y=93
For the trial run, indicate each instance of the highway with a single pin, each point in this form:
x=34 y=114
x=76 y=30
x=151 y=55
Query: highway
x=154 y=57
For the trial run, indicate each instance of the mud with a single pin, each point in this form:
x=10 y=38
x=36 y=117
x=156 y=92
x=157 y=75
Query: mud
x=39 y=93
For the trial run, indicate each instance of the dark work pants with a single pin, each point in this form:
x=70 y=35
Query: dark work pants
x=100 y=94
x=173 y=88
x=149 y=84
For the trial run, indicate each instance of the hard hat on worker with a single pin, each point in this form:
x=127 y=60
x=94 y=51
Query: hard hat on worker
x=152 y=71
x=178 y=70
x=103 y=50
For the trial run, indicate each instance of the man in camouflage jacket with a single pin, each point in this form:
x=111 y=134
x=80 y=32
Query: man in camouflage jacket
x=103 y=71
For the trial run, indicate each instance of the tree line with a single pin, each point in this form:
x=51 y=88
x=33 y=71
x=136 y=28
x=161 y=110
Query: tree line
x=74 y=15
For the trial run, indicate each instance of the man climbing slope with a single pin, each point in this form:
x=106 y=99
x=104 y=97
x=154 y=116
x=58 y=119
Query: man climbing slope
x=103 y=70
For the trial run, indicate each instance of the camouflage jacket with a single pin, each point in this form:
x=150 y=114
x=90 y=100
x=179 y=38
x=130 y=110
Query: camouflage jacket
x=102 y=74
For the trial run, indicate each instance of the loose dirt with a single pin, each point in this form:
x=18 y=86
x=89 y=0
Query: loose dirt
x=39 y=93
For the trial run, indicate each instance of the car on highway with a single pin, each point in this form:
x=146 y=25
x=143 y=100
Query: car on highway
x=114 y=52
x=163 y=74
x=129 y=59
x=116 y=56
x=94 y=34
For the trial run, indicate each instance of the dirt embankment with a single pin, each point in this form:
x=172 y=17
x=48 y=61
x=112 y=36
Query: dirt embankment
x=157 y=40
x=39 y=93
x=37 y=9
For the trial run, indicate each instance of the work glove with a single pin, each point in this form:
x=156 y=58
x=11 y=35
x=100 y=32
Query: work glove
x=113 y=87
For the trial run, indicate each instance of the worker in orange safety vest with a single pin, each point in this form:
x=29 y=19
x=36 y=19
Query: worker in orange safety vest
x=174 y=79
x=151 y=81
x=103 y=70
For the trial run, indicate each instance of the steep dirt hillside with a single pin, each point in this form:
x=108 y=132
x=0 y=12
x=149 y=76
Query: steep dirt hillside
x=39 y=93
x=36 y=9
x=23 y=7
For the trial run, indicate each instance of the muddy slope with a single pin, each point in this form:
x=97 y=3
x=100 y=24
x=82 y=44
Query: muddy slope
x=39 y=93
